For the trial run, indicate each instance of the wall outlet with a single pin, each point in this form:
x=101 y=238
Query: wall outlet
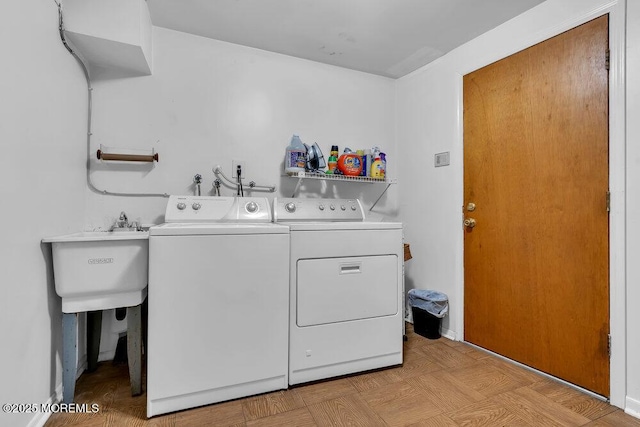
x=234 y=168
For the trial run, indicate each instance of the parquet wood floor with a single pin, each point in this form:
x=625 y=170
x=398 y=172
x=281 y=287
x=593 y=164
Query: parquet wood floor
x=441 y=383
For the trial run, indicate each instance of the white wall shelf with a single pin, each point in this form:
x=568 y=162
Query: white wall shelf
x=342 y=178
x=332 y=177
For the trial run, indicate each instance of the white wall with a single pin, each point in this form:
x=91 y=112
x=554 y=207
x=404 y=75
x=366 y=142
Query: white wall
x=633 y=207
x=42 y=117
x=429 y=115
x=209 y=102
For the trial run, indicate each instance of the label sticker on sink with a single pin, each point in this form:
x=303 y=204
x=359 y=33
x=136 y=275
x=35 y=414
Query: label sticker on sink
x=100 y=261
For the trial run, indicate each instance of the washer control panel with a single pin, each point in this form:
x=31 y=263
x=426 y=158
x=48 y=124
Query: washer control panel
x=217 y=209
x=312 y=210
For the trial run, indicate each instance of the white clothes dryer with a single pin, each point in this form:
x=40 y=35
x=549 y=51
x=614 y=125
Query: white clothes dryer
x=218 y=303
x=345 y=289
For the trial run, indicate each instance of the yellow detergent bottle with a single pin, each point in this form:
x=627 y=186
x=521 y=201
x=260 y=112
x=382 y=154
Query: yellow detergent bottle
x=377 y=167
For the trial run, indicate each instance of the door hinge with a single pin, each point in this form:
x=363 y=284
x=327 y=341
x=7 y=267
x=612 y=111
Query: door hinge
x=609 y=345
x=607 y=59
x=608 y=201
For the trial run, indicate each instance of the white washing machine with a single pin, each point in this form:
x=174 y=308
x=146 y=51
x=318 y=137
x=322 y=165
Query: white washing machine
x=346 y=309
x=218 y=303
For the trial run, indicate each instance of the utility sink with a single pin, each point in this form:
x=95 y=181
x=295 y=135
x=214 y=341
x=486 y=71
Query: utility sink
x=100 y=270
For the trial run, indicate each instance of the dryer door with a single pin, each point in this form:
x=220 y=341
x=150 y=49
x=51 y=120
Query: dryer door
x=331 y=290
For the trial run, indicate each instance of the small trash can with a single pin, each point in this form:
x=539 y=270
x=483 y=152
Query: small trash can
x=428 y=308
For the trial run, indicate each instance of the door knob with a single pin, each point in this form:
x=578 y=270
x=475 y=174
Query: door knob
x=469 y=222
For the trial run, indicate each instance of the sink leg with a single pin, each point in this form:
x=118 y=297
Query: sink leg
x=134 y=348
x=69 y=355
x=94 y=330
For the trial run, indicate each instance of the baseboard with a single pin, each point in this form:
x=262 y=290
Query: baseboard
x=40 y=419
x=632 y=407
x=447 y=333
x=82 y=366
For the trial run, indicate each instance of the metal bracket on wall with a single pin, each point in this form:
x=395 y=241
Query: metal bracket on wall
x=378 y=199
x=127 y=155
x=295 y=190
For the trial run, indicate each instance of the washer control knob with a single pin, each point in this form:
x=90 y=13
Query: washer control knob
x=321 y=207
x=290 y=207
x=353 y=207
x=342 y=207
x=252 y=207
x=181 y=206
x=196 y=206
x=333 y=208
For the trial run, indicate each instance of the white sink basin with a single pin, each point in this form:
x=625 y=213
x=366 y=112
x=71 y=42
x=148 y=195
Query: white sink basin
x=100 y=270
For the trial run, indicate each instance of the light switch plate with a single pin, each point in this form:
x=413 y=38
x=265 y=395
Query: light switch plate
x=442 y=159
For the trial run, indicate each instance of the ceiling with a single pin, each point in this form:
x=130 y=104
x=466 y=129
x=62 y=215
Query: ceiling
x=386 y=37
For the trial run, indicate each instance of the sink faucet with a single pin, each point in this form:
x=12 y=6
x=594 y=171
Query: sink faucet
x=123 y=222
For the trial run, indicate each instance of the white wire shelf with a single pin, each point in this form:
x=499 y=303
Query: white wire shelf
x=332 y=177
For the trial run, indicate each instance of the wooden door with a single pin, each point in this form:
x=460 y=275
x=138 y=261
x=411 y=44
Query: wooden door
x=536 y=167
